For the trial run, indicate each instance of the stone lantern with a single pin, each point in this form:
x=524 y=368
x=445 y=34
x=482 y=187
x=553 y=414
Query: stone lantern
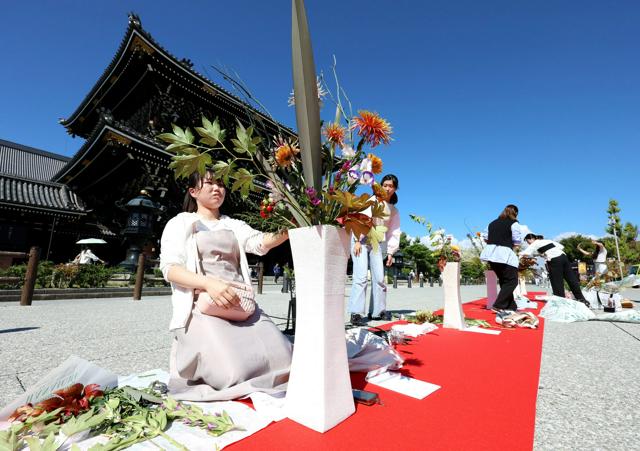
x=142 y=212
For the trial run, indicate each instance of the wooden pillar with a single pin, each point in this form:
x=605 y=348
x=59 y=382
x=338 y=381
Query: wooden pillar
x=30 y=276
x=137 y=290
x=260 y=276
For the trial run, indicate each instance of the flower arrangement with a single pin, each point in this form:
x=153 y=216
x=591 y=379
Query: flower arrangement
x=124 y=415
x=477 y=241
x=250 y=162
x=440 y=242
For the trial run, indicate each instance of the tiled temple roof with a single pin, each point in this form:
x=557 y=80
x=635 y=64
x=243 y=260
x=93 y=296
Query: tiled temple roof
x=26 y=162
x=25 y=181
x=47 y=197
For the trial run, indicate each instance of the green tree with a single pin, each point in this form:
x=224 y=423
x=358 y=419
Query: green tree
x=627 y=236
x=425 y=261
x=404 y=241
x=571 y=246
x=613 y=213
x=471 y=268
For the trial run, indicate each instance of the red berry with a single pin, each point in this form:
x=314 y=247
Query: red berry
x=270 y=208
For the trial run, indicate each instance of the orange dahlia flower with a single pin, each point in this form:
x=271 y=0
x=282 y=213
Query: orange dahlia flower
x=335 y=133
x=285 y=153
x=376 y=163
x=372 y=128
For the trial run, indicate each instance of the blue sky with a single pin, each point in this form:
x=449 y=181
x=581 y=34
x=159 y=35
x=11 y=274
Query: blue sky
x=492 y=102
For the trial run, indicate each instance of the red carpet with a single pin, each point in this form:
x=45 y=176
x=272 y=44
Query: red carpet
x=487 y=400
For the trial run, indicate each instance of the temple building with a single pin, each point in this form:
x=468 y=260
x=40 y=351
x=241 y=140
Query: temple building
x=51 y=201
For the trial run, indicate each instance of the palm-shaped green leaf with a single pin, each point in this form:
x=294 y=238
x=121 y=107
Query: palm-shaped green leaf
x=243 y=182
x=223 y=169
x=245 y=142
x=178 y=140
x=211 y=134
x=187 y=164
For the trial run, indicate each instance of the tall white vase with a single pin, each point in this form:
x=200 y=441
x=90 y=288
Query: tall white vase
x=492 y=287
x=453 y=314
x=522 y=284
x=319 y=391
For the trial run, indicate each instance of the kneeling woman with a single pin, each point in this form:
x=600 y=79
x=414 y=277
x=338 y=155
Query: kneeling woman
x=558 y=264
x=204 y=253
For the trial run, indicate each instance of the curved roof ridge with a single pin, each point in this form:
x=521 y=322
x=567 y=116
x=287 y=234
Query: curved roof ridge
x=135 y=26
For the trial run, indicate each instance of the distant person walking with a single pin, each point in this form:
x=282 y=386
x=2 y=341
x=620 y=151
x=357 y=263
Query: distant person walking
x=502 y=237
x=277 y=272
x=558 y=264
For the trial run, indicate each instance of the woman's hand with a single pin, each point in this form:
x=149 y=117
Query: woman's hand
x=389 y=260
x=357 y=248
x=222 y=293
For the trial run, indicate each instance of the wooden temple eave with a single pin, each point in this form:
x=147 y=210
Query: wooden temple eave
x=110 y=137
x=22 y=208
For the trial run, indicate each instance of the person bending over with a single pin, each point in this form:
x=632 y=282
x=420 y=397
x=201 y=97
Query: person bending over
x=558 y=265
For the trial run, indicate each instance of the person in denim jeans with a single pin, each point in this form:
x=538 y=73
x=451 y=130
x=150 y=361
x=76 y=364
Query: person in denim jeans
x=364 y=257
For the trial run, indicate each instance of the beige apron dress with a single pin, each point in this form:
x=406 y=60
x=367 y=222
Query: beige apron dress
x=214 y=359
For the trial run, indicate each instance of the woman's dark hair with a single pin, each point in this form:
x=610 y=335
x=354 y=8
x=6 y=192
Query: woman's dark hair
x=532 y=236
x=390 y=177
x=195 y=181
x=539 y=237
x=510 y=211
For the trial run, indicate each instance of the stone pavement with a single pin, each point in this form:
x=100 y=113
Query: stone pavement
x=589 y=388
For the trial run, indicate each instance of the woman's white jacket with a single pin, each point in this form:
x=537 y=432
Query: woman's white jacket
x=178 y=247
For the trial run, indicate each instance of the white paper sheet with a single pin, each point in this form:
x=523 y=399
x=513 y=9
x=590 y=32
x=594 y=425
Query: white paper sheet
x=481 y=330
x=402 y=384
x=270 y=406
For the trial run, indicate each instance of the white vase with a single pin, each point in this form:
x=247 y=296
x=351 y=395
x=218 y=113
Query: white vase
x=522 y=284
x=492 y=287
x=319 y=392
x=453 y=314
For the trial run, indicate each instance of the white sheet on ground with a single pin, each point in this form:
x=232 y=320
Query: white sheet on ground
x=565 y=310
x=415 y=330
x=399 y=383
x=625 y=316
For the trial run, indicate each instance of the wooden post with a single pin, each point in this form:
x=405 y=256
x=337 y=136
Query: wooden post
x=260 y=276
x=30 y=276
x=137 y=290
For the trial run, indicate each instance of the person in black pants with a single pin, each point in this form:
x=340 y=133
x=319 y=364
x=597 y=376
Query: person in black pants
x=502 y=237
x=558 y=265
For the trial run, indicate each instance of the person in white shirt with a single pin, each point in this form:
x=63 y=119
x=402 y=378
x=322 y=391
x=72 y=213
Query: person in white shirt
x=599 y=256
x=558 y=264
x=213 y=358
x=363 y=255
x=86 y=257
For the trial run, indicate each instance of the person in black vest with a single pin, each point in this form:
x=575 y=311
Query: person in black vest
x=503 y=236
x=558 y=265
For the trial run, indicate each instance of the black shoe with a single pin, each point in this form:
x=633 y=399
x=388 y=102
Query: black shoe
x=585 y=302
x=384 y=316
x=357 y=320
